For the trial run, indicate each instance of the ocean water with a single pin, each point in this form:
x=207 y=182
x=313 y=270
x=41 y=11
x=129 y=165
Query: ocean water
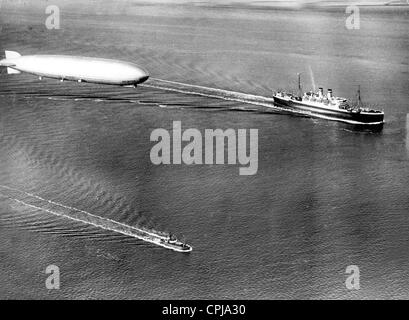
x=326 y=195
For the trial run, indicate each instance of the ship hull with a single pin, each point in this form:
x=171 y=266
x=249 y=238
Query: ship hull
x=176 y=247
x=362 y=118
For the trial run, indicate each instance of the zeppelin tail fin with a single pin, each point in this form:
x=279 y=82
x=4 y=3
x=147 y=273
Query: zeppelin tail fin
x=9 y=64
x=12 y=71
x=12 y=54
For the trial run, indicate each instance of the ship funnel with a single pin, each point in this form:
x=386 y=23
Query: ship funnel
x=329 y=94
x=320 y=92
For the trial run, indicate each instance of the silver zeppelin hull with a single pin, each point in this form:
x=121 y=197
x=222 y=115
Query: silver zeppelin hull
x=353 y=117
x=76 y=68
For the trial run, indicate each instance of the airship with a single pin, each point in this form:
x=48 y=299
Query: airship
x=76 y=68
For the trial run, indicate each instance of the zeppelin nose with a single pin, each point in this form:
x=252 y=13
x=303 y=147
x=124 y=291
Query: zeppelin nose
x=142 y=75
x=143 y=78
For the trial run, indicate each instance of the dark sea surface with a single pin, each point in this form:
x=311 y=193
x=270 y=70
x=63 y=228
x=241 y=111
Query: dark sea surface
x=326 y=194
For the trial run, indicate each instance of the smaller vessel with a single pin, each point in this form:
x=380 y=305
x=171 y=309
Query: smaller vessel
x=171 y=242
x=329 y=107
x=166 y=240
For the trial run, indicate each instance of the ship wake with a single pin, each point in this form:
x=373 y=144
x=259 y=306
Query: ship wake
x=211 y=92
x=38 y=203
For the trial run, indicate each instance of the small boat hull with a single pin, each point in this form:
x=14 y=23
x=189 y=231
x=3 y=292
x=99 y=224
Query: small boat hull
x=180 y=247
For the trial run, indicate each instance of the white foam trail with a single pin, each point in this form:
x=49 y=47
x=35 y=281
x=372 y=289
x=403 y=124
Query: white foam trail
x=89 y=218
x=211 y=92
x=208 y=88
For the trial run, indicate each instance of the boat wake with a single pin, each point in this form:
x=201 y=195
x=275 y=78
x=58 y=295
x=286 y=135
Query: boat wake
x=210 y=92
x=125 y=95
x=36 y=202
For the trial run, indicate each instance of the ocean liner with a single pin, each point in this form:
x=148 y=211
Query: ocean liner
x=329 y=107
